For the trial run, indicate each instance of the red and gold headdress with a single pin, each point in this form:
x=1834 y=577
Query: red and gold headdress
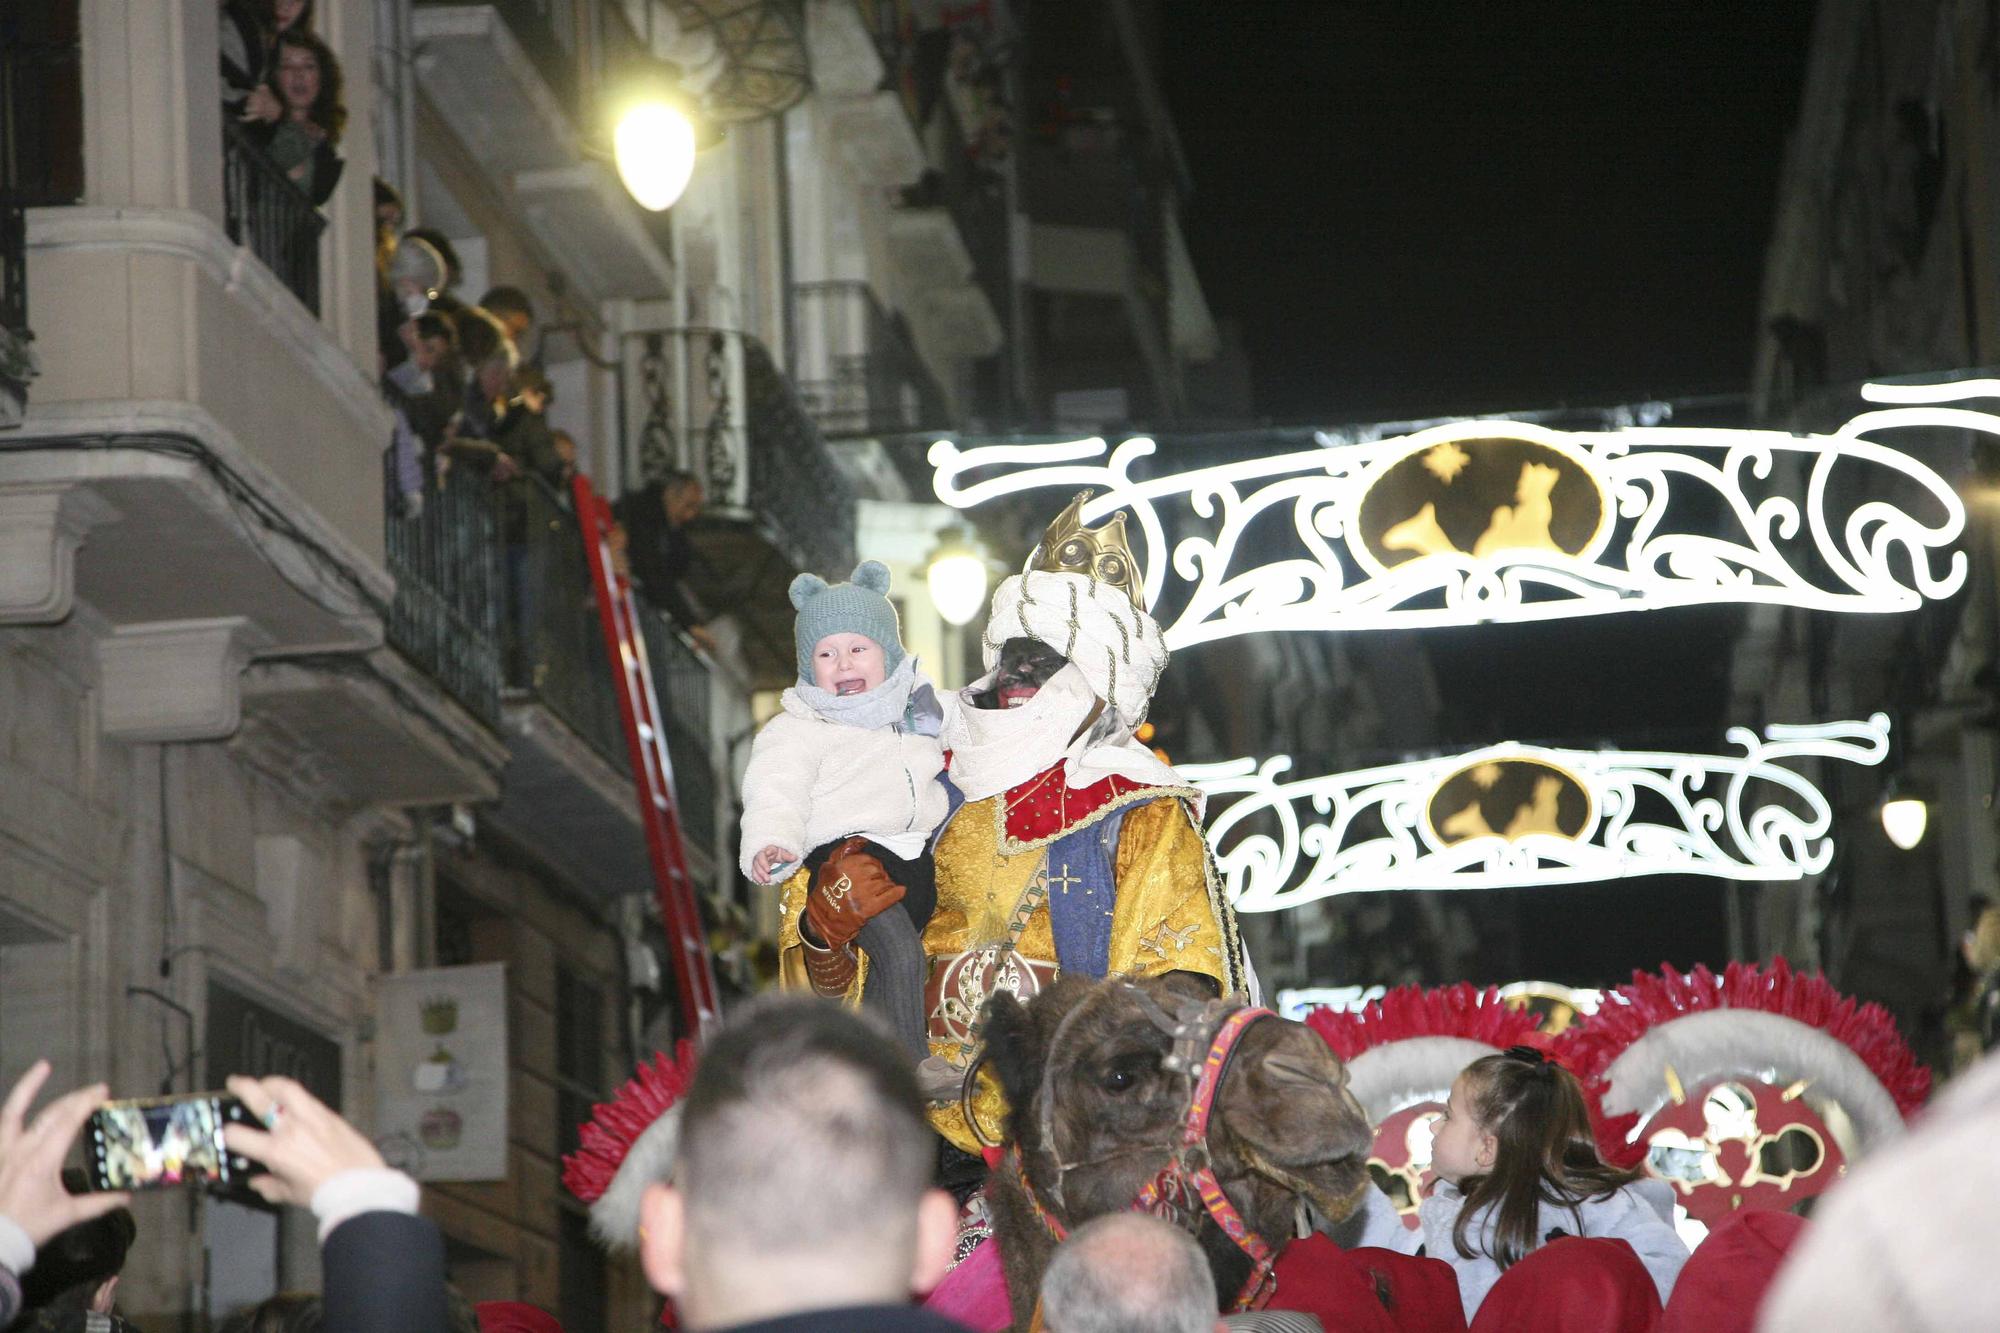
x=1746 y=1090
x=629 y=1143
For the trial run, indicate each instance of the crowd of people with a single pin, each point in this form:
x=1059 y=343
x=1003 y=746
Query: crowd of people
x=463 y=380
x=801 y=1197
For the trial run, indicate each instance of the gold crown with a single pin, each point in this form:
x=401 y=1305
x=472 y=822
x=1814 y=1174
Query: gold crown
x=1100 y=554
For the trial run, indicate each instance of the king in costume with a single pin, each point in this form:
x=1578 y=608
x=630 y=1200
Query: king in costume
x=1070 y=846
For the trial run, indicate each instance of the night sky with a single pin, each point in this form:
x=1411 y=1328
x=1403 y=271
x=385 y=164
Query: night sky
x=1416 y=208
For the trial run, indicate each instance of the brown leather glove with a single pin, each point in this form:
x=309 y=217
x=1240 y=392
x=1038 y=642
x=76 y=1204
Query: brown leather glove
x=849 y=889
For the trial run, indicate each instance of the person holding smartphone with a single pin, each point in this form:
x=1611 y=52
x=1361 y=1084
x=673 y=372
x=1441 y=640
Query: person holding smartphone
x=383 y=1265
x=34 y=1205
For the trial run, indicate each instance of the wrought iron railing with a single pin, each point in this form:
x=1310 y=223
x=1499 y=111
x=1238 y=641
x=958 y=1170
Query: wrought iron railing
x=856 y=370
x=681 y=681
x=715 y=403
x=446 y=616
x=266 y=212
x=555 y=651
x=555 y=642
x=795 y=486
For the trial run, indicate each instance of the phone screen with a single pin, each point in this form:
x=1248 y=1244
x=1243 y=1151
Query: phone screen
x=136 y=1145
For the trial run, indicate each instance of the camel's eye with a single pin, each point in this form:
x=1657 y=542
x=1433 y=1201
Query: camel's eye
x=1123 y=1074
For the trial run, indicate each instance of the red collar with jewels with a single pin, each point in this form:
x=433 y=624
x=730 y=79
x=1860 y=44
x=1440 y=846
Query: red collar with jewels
x=1046 y=807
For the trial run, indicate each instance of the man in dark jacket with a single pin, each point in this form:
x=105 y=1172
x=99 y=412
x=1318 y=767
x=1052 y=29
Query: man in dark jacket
x=801 y=1195
x=655 y=518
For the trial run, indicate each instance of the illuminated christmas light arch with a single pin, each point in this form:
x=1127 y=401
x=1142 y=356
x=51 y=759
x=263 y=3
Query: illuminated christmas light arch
x=1501 y=521
x=1512 y=816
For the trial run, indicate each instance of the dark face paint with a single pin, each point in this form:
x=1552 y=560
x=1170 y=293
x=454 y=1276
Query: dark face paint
x=1025 y=666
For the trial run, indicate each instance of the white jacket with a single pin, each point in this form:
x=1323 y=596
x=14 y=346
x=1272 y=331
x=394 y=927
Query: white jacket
x=811 y=782
x=1640 y=1214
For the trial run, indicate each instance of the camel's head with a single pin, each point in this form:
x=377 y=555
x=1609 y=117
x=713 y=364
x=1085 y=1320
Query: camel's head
x=1283 y=1125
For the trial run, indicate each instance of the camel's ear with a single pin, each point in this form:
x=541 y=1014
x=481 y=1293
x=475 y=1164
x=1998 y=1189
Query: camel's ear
x=1013 y=1048
x=1190 y=985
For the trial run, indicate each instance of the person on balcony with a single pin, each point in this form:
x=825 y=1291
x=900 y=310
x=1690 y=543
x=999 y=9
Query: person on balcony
x=447 y=300
x=527 y=448
x=516 y=313
x=250 y=28
x=655 y=519
x=489 y=358
x=302 y=139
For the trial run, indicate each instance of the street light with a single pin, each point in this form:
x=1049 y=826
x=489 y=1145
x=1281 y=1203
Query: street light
x=654 y=146
x=655 y=131
x=957 y=577
x=1905 y=816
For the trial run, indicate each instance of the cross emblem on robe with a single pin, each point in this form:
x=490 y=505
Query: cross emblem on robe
x=1065 y=879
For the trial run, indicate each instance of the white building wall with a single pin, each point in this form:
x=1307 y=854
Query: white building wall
x=126 y=866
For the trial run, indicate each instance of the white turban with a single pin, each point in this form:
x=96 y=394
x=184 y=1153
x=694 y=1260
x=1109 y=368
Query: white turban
x=1116 y=654
x=1118 y=647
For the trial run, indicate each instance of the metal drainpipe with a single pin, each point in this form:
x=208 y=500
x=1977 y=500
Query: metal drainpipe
x=787 y=264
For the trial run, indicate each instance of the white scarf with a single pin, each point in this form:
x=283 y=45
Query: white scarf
x=996 y=749
x=887 y=705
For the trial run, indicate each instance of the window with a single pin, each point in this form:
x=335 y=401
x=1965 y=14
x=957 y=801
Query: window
x=579 y=1084
x=454 y=934
x=579 y=1054
x=581 y=1287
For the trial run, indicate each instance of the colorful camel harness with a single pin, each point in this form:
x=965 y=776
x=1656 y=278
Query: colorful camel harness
x=1187 y=1184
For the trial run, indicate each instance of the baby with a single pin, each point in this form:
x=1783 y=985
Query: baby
x=852 y=763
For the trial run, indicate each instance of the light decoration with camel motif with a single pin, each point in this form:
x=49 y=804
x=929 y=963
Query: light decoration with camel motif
x=1501 y=521
x=1521 y=815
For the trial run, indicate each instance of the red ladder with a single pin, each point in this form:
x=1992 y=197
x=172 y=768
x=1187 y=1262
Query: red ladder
x=652 y=769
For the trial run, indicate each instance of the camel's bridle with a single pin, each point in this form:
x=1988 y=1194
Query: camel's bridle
x=1205 y=1038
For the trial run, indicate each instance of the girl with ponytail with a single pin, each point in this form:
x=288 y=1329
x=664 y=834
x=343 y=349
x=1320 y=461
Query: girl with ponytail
x=1517 y=1167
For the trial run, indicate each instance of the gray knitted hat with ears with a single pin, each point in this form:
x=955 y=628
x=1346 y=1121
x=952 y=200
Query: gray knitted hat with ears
x=860 y=606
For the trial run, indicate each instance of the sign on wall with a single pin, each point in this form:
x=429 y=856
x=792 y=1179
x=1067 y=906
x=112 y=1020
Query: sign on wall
x=1477 y=522
x=246 y=1037
x=441 y=1072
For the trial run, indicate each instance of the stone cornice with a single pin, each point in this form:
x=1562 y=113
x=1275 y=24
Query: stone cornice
x=194 y=238
x=54 y=422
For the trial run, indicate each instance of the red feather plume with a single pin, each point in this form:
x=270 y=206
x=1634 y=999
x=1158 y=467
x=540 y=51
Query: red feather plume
x=1632 y=1010
x=1462 y=1010
x=617 y=1124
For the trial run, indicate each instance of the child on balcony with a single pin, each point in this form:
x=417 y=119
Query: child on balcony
x=850 y=769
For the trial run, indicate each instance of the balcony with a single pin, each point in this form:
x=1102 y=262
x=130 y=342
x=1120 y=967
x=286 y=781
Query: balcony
x=504 y=78
x=194 y=492
x=714 y=402
x=857 y=372
x=446 y=616
x=568 y=789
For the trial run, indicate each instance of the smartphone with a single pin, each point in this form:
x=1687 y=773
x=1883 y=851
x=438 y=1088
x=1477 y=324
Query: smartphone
x=154 y=1142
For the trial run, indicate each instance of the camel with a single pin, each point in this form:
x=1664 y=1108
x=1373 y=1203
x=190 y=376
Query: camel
x=1284 y=1130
